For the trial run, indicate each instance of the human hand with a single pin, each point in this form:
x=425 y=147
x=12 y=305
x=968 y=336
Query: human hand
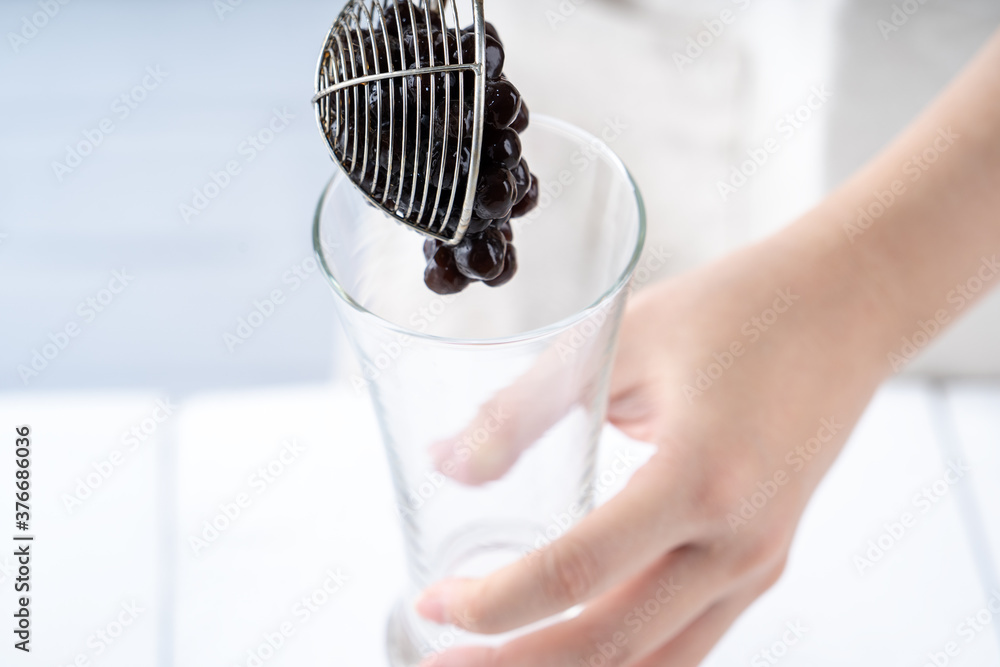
x=667 y=565
x=748 y=376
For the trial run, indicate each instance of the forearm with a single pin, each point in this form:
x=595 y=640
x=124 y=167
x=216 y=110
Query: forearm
x=916 y=231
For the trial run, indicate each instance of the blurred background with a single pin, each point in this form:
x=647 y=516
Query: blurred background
x=159 y=167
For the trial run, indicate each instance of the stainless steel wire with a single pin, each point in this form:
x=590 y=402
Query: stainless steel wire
x=378 y=58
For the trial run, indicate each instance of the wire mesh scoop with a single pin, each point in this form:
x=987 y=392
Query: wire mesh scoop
x=400 y=99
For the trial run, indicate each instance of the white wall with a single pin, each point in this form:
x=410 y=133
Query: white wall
x=592 y=62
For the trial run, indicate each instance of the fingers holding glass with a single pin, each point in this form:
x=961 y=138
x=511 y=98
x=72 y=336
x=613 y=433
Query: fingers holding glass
x=616 y=542
x=622 y=627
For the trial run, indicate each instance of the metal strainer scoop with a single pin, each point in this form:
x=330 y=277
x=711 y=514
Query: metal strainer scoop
x=400 y=99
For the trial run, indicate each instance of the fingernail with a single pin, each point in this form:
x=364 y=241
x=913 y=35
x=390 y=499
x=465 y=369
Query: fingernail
x=432 y=604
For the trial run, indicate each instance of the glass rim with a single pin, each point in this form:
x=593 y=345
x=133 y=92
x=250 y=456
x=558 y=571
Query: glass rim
x=565 y=323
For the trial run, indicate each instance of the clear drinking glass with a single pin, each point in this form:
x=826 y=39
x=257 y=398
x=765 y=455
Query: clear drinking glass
x=490 y=402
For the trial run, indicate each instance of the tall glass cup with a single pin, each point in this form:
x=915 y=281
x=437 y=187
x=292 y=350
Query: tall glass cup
x=490 y=402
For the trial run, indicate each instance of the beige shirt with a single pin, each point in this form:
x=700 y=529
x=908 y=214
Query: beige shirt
x=739 y=115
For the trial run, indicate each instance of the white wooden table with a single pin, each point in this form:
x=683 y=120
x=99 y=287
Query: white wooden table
x=325 y=517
